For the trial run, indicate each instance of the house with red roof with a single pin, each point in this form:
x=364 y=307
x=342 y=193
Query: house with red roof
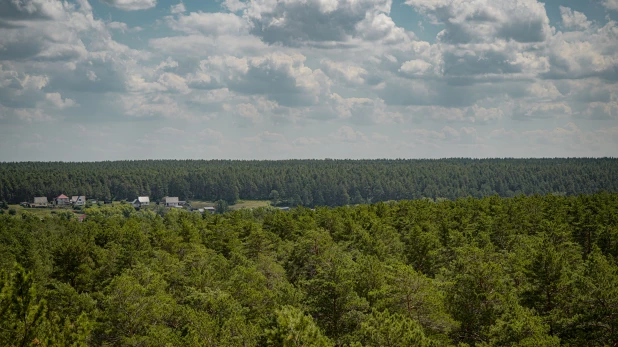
x=62 y=200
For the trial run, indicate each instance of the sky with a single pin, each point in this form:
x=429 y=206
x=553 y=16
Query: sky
x=278 y=79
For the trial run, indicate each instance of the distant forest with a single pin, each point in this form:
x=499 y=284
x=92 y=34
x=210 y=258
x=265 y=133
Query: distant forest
x=308 y=182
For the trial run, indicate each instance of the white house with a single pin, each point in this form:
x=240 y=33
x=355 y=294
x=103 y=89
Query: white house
x=62 y=200
x=39 y=201
x=141 y=201
x=170 y=201
x=210 y=209
x=78 y=200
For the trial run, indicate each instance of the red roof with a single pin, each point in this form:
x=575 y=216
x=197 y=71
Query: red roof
x=62 y=196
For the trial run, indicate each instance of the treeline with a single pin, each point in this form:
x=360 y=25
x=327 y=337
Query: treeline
x=523 y=271
x=308 y=182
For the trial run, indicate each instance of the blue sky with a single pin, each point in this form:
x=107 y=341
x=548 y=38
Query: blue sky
x=266 y=79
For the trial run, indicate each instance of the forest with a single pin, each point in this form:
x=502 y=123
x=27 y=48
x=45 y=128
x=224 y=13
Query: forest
x=535 y=270
x=308 y=182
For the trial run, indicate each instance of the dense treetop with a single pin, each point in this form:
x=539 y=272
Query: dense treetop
x=308 y=182
x=523 y=271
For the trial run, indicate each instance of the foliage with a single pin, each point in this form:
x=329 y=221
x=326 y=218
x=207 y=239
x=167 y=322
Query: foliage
x=523 y=271
x=309 y=182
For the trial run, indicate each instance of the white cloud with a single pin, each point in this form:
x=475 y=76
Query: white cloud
x=123 y=27
x=380 y=138
x=542 y=110
x=602 y=110
x=347 y=134
x=234 y=5
x=266 y=137
x=305 y=141
x=132 y=5
x=32 y=115
x=281 y=77
x=363 y=110
x=300 y=69
x=484 y=20
x=178 y=8
x=344 y=70
x=292 y=22
x=574 y=19
x=610 y=4
x=209 y=23
x=465 y=135
x=57 y=101
x=169 y=131
x=582 y=54
x=211 y=136
x=415 y=67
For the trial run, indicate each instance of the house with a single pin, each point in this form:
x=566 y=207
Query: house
x=170 y=201
x=62 y=200
x=78 y=200
x=284 y=208
x=207 y=209
x=39 y=201
x=141 y=201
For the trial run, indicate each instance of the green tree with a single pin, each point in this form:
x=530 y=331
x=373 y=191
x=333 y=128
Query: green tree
x=383 y=329
x=274 y=197
x=293 y=328
x=520 y=327
x=22 y=313
x=221 y=206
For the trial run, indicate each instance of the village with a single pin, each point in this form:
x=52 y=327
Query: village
x=78 y=201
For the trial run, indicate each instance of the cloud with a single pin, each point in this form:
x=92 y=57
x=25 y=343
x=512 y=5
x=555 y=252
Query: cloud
x=542 y=110
x=305 y=141
x=478 y=21
x=471 y=114
x=211 y=136
x=56 y=100
x=32 y=115
x=415 y=67
x=602 y=110
x=610 y=4
x=131 y=5
x=266 y=137
x=169 y=131
x=208 y=23
x=465 y=135
x=123 y=27
x=347 y=134
x=573 y=19
x=313 y=21
x=279 y=76
x=329 y=75
x=344 y=71
x=380 y=138
x=363 y=110
x=27 y=10
x=583 y=54
x=178 y=8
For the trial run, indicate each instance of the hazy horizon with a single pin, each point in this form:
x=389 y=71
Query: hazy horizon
x=99 y=80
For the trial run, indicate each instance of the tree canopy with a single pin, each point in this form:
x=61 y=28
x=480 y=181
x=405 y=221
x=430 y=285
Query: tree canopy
x=308 y=182
x=523 y=271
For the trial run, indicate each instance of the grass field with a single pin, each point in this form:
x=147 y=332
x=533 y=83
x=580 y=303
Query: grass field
x=41 y=212
x=239 y=205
